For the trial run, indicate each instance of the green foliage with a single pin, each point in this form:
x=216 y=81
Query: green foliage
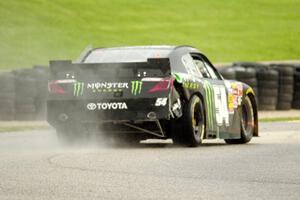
x=36 y=31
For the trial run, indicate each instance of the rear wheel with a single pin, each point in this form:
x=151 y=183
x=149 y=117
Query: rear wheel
x=247 y=123
x=192 y=124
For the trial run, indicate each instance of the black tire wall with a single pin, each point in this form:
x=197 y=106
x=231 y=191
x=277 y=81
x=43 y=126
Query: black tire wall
x=26 y=92
x=285 y=85
x=296 y=95
x=7 y=96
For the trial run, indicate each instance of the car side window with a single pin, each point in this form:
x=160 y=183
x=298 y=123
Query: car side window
x=190 y=65
x=210 y=71
x=205 y=67
x=201 y=67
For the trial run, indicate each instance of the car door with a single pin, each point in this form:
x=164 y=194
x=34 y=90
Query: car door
x=221 y=121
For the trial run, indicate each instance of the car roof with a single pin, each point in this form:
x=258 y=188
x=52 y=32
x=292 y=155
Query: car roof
x=170 y=51
x=154 y=47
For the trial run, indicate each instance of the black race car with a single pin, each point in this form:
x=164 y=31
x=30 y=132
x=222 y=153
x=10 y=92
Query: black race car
x=141 y=92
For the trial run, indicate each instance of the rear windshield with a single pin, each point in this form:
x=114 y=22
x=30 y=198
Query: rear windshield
x=125 y=55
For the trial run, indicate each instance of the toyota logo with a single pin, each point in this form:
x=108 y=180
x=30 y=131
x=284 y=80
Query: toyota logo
x=91 y=106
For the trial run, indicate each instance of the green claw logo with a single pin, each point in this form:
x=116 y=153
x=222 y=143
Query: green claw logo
x=209 y=95
x=78 y=89
x=136 y=87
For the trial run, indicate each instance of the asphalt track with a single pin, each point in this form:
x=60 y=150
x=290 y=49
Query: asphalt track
x=34 y=166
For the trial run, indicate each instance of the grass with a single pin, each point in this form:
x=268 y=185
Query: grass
x=35 y=31
x=280 y=119
x=13 y=128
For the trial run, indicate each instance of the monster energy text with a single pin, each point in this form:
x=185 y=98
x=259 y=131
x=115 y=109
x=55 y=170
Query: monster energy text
x=78 y=88
x=136 y=87
x=107 y=85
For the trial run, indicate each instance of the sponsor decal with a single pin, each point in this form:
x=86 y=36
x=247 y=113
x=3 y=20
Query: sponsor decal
x=107 y=85
x=222 y=114
x=190 y=85
x=161 y=101
x=136 y=87
x=176 y=105
x=231 y=105
x=216 y=105
x=78 y=88
x=99 y=87
x=107 y=106
x=235 y=94
x=91 y=106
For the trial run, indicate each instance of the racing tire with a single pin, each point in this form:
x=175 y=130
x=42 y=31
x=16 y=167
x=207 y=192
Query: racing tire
x=287 y=88
x=245 y=73
x=7 y=116
x=268 y=92
x=286 y=80
x=25 y=108
x=267 y=75
x=24 y=116
x=296 y=104
x=8 y=95
x=267 y=100
x=285 y=97
x=296 y=96
x=268 y=84
x=7 y=82
x=297 y=76
x=228 y=73
x=247 y=123
x=297 y=87
x=284 y=106
x=6 y=104
x=266 y=107
x=251 y=82
x=192 y=132
x=283 y=69
x=250 y=65
x=24 y=100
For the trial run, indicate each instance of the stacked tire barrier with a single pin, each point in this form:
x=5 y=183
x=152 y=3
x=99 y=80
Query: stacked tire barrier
x=41 y=75
x=267 y=79
x=296 y=96
x=246 y=73
x=285 y=85
x=26 y=91
x=228 y=72
x=7 y=96
x=277 y=86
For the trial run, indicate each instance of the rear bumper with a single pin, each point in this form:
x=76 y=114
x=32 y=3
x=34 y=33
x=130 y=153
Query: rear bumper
x=98 y=111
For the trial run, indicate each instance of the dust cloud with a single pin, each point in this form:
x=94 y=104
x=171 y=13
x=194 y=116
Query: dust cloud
x=46 y=141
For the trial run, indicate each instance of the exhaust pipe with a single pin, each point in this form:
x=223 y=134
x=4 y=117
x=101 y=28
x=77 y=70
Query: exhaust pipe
x=152 y=115
x=63 y=117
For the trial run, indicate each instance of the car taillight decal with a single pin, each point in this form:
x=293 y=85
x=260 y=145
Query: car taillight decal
x=54 y=87
x=163 y=85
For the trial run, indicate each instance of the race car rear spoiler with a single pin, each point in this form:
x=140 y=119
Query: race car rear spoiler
x=158 y=67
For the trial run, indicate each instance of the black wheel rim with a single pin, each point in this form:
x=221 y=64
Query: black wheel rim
x=197 y=121
x=247 y=117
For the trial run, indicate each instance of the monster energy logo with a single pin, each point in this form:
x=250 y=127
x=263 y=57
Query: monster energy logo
x=78 y=89
x=209 y=95
x=136 y=87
